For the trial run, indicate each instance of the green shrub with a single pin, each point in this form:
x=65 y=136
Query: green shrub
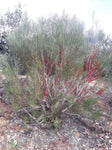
x=48 y=36
x=44 y=96
x=51 y=54
x=105 y=50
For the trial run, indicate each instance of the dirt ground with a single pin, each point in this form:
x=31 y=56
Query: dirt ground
x=76 y=133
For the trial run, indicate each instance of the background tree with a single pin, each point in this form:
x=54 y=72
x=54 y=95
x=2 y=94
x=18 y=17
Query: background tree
x=8 y=22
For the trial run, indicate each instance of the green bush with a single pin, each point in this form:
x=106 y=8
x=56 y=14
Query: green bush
x=48 y=36
x=44 y=97
x=105 y=50
x=53 y=56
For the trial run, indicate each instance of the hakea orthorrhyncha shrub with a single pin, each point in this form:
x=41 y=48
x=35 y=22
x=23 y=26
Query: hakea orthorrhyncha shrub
x=61 y=94
x=48 y=91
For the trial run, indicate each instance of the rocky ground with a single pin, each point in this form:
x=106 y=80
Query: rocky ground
x=76 y=133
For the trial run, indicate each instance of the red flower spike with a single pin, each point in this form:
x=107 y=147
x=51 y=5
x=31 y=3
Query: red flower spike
x=46 y=93
x=60 y=56
x=100 y=92
x=41 y=91
x=84 y=68
x=94 y=47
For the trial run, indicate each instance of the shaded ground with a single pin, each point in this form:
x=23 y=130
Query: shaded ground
x=76 y=133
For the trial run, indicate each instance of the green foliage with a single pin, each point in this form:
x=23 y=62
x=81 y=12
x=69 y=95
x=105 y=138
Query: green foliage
x=56 y=123
x=14 y=144
x=48 y=36
x=105 y=48
x=3 y=61
x=88 y=108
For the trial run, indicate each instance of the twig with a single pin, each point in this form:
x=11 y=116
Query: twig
x=39 y=123
x=30 y=115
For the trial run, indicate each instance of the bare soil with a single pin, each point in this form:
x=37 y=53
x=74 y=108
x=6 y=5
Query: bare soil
x=76 y=132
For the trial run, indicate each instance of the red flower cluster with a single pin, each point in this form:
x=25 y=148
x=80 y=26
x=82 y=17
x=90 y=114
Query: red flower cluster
x=44 y=90
x=100 y=92
x=92 y=66
x=79 y=90
x=60 y=56
x=94 y=72
x=49 y=66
